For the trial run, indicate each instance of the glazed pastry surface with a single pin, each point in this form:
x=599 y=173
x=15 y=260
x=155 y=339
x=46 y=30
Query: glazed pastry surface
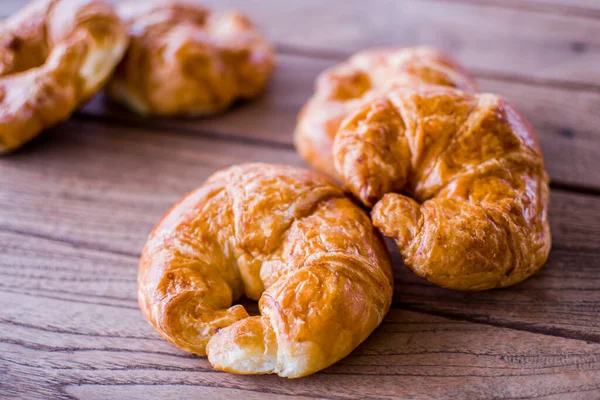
x=185 y=60
x=54 y=55
x=342 y=89
x=281 y=235
x=457 y=179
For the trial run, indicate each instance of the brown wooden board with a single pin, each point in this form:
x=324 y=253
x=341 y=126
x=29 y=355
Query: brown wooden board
x=566 y=119
x=521 y=42
x=77 y=203
x=410 y=355
x=80 y=201
x=534 y=39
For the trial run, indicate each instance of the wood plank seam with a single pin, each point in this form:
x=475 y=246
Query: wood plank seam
x=474 y=318
x=546 y=395
x=69 y=349
x=70 y=236
x=541 y=7
x=325 y=372
x=489 y=320
x=156 y=127
x=103 y=249
x=210 y=370
x=568 y=187
x=73 y=243
x=331 y=55
x=69 y=332
x=537 y=7
x=29 y=293
x=84 y=381
x=451 y=315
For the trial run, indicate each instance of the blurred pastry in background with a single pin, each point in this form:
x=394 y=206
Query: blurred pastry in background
x=184 y=60
x=54 y=55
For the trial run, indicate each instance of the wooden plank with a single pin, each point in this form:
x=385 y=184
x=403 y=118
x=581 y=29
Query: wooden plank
x=78 y=203
x=10 y=6
x=100 y=351
x=126 y=178
x=562 y=300
x=585 y=4
x=519 y=42
x=529 y=42
x=271 y=117
x=565 y=119
x=588 y=8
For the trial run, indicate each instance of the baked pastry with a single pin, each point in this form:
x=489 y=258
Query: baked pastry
x=345 y=87
x=54 y=55
x=286 y=236
x=473 y=210
x=183 y=60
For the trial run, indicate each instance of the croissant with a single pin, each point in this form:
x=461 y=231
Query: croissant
x=286 y=236
x=342 y=89
x=457 y=179
x=183 y=60
x=54 y=55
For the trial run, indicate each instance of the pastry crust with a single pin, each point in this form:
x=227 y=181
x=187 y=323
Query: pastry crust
x=476 y=216
x=54 y=55
x=183 y=60
x=345 y=87
x=281 y=235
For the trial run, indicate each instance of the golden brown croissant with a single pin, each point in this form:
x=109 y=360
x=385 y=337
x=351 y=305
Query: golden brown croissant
x=183 y=60
x=477 y=218
x=345 y=87
x=54 y=55
x=287 y=236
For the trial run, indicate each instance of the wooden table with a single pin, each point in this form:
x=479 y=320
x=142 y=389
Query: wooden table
x=77 y=204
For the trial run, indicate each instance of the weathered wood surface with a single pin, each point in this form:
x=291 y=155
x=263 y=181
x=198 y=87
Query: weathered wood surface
x=77 y=203
x=529 y=42
x=79 y=216
x=566 y=119
x=534 y=39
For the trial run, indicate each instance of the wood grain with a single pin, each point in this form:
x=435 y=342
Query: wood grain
x=85 y=352
x=522 y=41
x=552 y=6
x=566 y=119
x=128 y=177
x=421 y=356
x=586 y=8
x=77 y=203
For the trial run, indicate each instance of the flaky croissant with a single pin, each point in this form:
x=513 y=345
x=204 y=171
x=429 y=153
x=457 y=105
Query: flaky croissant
x=184 y=60
x=283 y=235
x=475 y=211
x=54 y=54
x=342 y=89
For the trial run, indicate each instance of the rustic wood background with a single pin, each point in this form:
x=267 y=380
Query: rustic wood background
x=77 y=203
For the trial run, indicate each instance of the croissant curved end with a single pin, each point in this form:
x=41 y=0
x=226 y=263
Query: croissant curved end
x=246 y=347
